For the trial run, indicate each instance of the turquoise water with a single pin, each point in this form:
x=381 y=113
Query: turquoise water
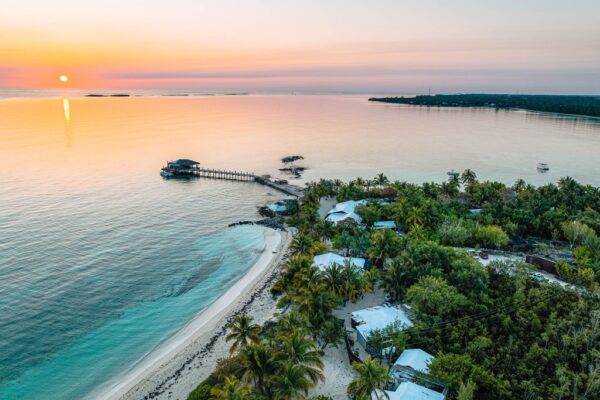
x=102 y=260
x=94 y=279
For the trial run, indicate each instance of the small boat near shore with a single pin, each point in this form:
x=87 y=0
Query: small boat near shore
x=543 y=167
x=453 y=174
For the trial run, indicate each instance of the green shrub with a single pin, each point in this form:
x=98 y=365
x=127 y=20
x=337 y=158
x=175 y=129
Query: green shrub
x=202 y=392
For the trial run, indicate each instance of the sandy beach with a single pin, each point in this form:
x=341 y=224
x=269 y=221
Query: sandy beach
x=176 y=367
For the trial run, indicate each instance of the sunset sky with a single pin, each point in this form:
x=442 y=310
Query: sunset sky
x=280 y=45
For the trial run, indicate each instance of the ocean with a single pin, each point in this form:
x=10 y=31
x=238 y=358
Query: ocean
x=102 y=260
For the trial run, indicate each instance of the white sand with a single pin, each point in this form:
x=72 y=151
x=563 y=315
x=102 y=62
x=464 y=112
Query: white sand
x=338 y=371
x=180 y=364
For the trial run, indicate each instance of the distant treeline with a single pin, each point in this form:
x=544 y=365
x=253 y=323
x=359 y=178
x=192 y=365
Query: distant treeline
x=578 y=105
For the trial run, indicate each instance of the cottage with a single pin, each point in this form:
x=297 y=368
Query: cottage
x=415 y=359
x=370 y=319
x=277 y=207
x=345 y=212
x=384 y=225
x=326 y=260
x=340 y=217
x=475 y=211
x=410 y=391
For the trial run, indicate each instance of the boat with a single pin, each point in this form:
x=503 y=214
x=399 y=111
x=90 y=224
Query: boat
x=166 y=173
x=543 y=167
x=453 y=174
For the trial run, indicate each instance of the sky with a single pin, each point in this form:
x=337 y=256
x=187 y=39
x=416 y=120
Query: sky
x=395 y=46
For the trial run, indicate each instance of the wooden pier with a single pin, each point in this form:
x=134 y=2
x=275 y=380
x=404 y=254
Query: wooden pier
x=224 y=174
x=184 y=167
x=288 y=189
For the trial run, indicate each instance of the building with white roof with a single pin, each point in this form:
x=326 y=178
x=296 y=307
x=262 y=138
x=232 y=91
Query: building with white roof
x=338 y=217
x=370 y=319
x=384 y=225
x=415 y=359
x=326 y=260
x=344 y=211
x=347 y=206
x=277 y=207
x=410 y=391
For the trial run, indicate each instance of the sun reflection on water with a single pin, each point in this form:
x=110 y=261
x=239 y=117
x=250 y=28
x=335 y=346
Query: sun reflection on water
x=67 y=113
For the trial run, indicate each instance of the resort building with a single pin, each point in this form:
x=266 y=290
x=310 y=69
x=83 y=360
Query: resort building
x=410 y=391
x=370 y=319
x=475 y=211
x=277 y=207
x=345 y=212
x=385 y=225
x=323 y=261
x=415 y=359
x=413 y=366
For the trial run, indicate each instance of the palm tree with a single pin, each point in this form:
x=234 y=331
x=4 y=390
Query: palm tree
x=231 y=389
x=257 y=365
x=334 y=278
x=415 y=217
x=451 y=188
x=242 y=332
x=352 y=278
x=303 y=353
x=381 y=180
x=392 y=279
x=368 y=184
x=360 y=182
x=372 y=378
x=369 y=279
x=316 y=304
x=301 y=244
x=468 y=177
x=291 y=322
x=290 y=382
x=384 y=244
x=324 y=229
x=519 y=185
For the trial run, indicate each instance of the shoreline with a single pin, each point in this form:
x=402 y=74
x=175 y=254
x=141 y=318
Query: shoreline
x=191 y=354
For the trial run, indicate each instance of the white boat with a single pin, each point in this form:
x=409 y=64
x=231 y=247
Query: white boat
x=543 y=167
x=165 y=173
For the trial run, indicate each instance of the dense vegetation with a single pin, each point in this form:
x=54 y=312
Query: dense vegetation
x=578 y=105
x=496 y=332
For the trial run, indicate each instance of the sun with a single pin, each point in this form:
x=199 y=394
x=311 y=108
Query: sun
x=63 y=78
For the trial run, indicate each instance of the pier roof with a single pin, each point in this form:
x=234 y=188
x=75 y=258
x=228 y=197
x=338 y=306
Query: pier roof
x=184 y=162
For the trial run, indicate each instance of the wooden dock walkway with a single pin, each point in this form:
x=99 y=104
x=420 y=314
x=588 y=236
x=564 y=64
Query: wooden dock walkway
x=224 y=174
x=211 y=173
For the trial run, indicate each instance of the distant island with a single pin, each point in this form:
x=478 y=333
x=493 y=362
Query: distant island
x=576 y=105
x=107 y=95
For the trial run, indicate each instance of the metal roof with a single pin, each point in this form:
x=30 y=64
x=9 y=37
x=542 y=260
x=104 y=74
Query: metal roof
x=412 y=391
x=379 y=317
x=416 y=359
x=323 y=261
x=384 y=225
x=184 y=162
